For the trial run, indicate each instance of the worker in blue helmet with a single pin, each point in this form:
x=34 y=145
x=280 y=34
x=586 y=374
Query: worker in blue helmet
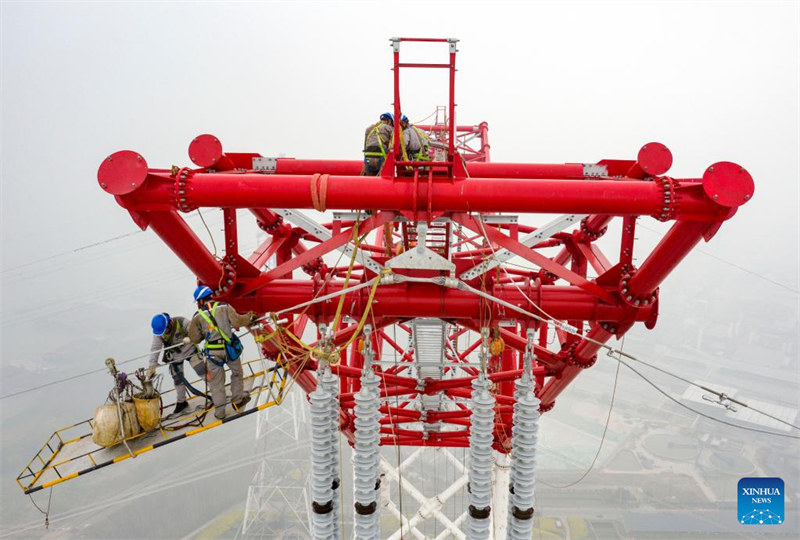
x=377 y=141
x=214 y=323
x=416 y=141
x=170 y=338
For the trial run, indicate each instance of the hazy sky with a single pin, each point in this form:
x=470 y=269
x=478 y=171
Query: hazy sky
x=557 y=82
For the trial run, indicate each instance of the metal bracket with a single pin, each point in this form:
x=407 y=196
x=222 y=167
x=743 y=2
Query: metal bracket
x=593 y=170
x=541 y=234
x=500 y=218
x=312 y=227
x=265 y=164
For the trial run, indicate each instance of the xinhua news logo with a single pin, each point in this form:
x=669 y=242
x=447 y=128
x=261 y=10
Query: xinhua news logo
x=761 y=501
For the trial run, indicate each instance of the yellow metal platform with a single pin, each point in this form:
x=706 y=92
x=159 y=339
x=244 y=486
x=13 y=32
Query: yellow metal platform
x=70 y=451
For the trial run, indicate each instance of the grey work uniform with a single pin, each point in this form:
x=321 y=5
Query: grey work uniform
x=377 y=139
x=226 y=318
x=175 y=357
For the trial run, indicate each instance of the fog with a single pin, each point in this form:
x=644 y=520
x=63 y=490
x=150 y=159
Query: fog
x=556 y=82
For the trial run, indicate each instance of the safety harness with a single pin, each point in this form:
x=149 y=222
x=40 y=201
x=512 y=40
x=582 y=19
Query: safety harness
x=231 y=345
x=382 y=153
x=422 y=154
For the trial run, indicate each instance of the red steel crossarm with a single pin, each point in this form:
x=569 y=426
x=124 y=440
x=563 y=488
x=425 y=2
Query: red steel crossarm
x=348 y=400
x=386 y=378
x=673 y=247
x=177 y=234
x=409 y=300
x=473 y=194
x=340 y=167
x=527 y=307
x=584 y=352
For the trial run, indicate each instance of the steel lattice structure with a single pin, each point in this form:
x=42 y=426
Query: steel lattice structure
x=427 y=236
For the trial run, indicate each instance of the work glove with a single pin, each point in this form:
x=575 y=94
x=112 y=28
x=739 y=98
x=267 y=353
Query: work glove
x=151 y=372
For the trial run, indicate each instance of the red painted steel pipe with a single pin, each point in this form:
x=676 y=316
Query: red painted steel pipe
x=419 y=441
x=341 y=167
x=470 y=195
x=669 y=252
x=427 y=300
x=182 y=240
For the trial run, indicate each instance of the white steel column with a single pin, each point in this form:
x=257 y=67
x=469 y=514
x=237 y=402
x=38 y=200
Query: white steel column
x=499 y=515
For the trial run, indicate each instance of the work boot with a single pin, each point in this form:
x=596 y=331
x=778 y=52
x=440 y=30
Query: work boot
x=242 y=402
x=180 y=407
x=219 y=414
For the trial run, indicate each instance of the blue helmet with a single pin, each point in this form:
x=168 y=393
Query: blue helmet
x=160 y=323
x=387 y=116
x=202 y=292
x=404 y=118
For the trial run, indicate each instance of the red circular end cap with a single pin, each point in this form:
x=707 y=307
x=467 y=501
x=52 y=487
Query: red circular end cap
x=205 y=150
x=122 y=172
x=654 y=158
x=728 y=184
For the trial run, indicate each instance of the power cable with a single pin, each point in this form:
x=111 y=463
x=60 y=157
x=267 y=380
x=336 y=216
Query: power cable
x=70 y=252
x=76 y=250
x=734 y=265
x=123 y=498
x=568 y=329
x=602 y=438
x=611 y=350
x=682 y=404
x=99 y=370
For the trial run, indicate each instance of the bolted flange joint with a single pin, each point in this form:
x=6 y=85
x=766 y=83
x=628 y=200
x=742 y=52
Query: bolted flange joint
x=228 y=275
x=312 y=267
x=586 y=233
x=669 y=202
x=182 y=201
x=571 y=358
x=629 y=298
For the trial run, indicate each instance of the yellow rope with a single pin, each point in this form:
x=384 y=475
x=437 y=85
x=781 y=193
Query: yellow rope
x=356 y=241
x=370 y=300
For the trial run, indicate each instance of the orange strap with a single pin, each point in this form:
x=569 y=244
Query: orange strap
x=319 y=191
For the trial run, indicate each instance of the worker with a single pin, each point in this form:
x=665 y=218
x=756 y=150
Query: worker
x=377 y=138
x=214 y=323
x=417 y=142
x=168 y=336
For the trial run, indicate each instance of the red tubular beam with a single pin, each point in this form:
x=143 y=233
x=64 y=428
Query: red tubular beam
x=419 y=441
x=471 y=195
x=341 y=167
x=436 y=385
x=182 y=240
x=348 y=400
x=584 y=351
x=344 y=371
x=423 y=300
x=675 y=245
x=466 y=393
